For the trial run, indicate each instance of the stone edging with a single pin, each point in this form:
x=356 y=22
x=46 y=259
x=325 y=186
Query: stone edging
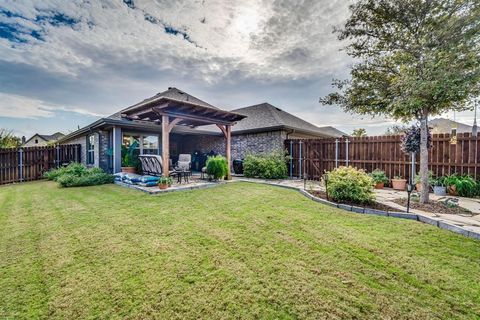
x=395 y=214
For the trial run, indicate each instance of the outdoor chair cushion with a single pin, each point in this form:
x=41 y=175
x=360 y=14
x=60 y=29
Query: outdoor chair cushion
x=151 y=164
x=119 y=176
x=132 y=177
x=183 y=165
x=184 y=157
x=146 y=179
x=148 y=184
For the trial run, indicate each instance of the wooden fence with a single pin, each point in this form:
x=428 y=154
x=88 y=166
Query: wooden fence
x=27 y=164
x=312 y=157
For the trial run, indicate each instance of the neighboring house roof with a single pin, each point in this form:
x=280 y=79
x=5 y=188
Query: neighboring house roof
x=47 y=137
x=442 y=125
x=261 y=117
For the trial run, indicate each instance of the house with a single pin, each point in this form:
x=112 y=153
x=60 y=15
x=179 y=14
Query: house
x=191 y=126
x=41 y=140
x=442 y=125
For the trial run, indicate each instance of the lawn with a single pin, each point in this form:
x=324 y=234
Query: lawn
x=234 y=251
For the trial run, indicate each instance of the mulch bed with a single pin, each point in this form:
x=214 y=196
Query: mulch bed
x=375 y=205
x=434 y=207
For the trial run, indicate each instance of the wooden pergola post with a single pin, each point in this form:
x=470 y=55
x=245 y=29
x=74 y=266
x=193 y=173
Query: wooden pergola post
x=228 y=144
x=165 y=145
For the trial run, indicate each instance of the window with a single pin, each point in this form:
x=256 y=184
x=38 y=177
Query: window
x=91 y=149
x=144 y=144
x=36 y=141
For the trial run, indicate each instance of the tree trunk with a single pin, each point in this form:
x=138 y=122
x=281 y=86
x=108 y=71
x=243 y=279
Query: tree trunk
x=424 y=159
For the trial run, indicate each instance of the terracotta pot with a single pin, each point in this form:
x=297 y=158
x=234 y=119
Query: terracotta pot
x=418 y=186
x=128 y=169
x=399 y=184
x=379 y=185
x=163 y=186
x=452 y=190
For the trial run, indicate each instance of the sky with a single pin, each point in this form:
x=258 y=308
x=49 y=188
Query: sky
x=64 y=64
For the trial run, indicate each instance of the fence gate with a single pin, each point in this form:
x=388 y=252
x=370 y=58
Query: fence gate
x=28 y=164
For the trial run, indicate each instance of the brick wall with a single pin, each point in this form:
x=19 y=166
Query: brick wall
x=253 y=143
x=101 y=159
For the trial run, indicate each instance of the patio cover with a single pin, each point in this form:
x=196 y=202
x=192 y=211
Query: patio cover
x=170 y=112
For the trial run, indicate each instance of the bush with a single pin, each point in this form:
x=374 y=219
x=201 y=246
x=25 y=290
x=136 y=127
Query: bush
x=90 y=179
x=217 y=167
x=378 y=176
x=465 y=186
x=76 y=175
x=270 y=166
x=348 y=184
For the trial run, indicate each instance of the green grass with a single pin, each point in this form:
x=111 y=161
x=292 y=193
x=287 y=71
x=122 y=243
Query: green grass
x=239 y=250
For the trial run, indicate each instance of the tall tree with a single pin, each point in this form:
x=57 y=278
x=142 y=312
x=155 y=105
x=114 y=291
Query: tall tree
x=360 y=132
x=413 y=59
x=8 y=139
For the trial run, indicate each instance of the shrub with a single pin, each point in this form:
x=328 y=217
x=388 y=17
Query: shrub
x=431 y=179
x=76 y=175
x=378 y=176
x=348 y=184
x=269 y=166
x=90 y=179
x=217 y=167
x=465 y=186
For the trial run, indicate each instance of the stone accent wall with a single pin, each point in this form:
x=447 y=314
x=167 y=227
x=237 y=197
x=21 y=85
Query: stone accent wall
x=243 y=144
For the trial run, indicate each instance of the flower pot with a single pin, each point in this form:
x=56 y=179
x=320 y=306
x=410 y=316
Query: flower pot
x=399 y=184
x=439 y=190
x=452 y=190
x=128 y=169
x=418 y=186
x=163 y=186
x=379 y=185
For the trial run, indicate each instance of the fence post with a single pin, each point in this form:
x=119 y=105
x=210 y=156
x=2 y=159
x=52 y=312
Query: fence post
x=336 y=153
x=57 y=156
x=291 y=158
x=300 y=159
x=346 y=152
x=20 y=164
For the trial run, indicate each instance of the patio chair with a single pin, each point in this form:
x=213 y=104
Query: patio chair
x=184 y=162
x=151 y=164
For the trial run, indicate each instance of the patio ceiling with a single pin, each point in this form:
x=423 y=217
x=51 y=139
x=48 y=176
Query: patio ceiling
x=182 y=112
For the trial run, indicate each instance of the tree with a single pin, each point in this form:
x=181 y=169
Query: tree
x=413 y=59
x=360 y=132
x=396 y=129
x=8 y=139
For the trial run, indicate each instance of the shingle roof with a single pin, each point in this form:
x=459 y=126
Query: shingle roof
x=265 y=115
x=442 y=125
x=52 y=137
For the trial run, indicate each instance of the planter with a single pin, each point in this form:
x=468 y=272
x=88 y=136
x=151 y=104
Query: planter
x=440 y=190
x=128 y=169
x=379 y=185
x=418 y=186
x=399 y=184
x=163 y=186
x=452 y=190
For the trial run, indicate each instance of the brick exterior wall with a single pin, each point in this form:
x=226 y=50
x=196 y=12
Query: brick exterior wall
x=243 y=144
x=102 y=143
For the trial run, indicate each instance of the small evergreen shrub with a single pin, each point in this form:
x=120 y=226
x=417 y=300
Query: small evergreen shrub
x=217 y=167
x=77 y=175
x=90 y=179
x=348 y=184
x=379 y=176
x=268 y=166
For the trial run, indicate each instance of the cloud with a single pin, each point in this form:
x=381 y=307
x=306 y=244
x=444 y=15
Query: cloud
x=14 y=106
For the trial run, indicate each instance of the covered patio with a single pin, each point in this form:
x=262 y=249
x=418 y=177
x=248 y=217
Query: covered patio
x=167 y=113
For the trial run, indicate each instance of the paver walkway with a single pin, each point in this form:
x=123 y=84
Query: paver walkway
x=385 y=196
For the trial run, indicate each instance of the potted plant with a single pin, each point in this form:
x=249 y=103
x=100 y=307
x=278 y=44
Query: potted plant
x=398 y=183
x=128 y=158
x=439 y=188
x=164 y=182
x=418 y=184
x=379 y=178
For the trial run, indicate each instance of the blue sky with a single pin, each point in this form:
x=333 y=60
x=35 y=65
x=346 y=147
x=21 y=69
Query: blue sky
x=63 y=64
